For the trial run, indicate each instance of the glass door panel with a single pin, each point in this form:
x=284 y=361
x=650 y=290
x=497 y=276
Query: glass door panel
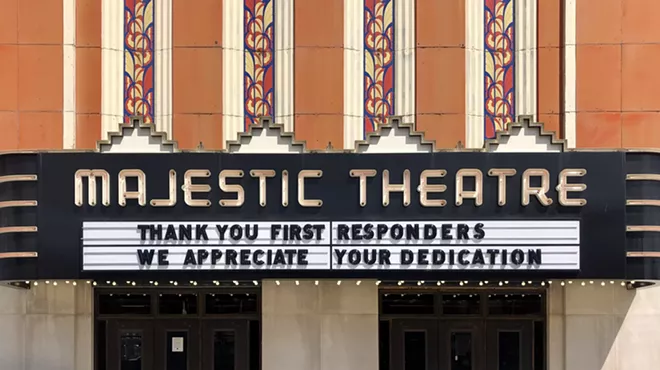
x=509 y=345
x=461 y=344
x=130 y=345
x=177 y=345
x=414 y=345
x=225 y=345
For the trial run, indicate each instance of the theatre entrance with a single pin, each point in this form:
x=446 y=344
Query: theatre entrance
x=462 y=330
x=190 y=329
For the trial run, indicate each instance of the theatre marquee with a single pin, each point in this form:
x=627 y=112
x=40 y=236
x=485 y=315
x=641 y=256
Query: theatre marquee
x=208 y=215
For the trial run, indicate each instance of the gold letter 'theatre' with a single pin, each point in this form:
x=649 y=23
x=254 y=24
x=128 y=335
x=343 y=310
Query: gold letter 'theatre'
x=565 y=187
x=539 y=192
x=403 y=188
x=501 y=174
x=362 y=175
x=477 y=194
x=425 y=188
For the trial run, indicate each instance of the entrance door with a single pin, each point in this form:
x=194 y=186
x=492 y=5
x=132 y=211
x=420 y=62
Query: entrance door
x=225 y=345
x=177 y=345
x=130 y=345
x=414 y=344
x=509 y=344
x=461 y=345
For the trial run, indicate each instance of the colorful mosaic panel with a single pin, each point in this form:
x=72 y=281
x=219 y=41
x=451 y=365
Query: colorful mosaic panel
x=378 y=62
x=499 y=66
x=139 y=59
x=259 y=60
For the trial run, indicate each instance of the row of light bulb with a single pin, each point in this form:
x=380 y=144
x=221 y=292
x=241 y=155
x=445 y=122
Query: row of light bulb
x=339 y=282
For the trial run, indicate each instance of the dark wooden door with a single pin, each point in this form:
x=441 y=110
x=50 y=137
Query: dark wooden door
x=461 y=344
x=509 y=345
x=176 y=345
x=130 y=345
x=414 y=344
x=225 y=345
x=471 y=344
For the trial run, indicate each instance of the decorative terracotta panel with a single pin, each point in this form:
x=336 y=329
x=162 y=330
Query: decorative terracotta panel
x=378 y=62
x=139 y=58
x=499 y=65
x=259 y=60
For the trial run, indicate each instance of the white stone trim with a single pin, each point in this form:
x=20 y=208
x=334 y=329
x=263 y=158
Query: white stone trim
x=525 y=139
x=233 y=49
x=526 y=92
x=353 y=72
x=136 y=137
x=69 y=74
x=394 y=139
x=163 y=67
x=266 y=137
x=404 y=59
x=112 y=65
x=284 y=83
x=570 y=74
x=474 y=73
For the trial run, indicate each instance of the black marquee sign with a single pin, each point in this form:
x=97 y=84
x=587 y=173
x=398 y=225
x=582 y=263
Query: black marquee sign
x=389 y=216
x=224 y=216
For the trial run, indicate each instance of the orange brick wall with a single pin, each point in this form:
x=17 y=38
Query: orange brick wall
x=31 y=74
x=618 y=100
x=319 y=72
x=617 y=95
x=549 y=44
x=88 y=73
x=440 y=80
x=197 y=73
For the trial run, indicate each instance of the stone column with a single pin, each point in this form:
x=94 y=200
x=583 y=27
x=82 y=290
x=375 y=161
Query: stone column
x=638 y=337
x=555 y=327
x=319 y=327
x=47 y=327
x=594 y=315
x=596 y=327
x=12 y=327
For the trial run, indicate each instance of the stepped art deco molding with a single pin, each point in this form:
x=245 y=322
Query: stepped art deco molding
x=394 y=136
x=266 y=134
x=539 y=141
x=137 y=136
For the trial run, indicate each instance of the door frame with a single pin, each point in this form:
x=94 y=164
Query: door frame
x=240 y=328
x=485 y=344
x=526 y=330
x=397 y=341
x=448 y=326
x=191 y=344
x=113 y=334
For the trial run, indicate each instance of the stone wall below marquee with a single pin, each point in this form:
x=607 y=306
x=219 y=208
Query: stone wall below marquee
x=322 y=327
x=331 y=326
x=47 y=328
x=603 y=328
